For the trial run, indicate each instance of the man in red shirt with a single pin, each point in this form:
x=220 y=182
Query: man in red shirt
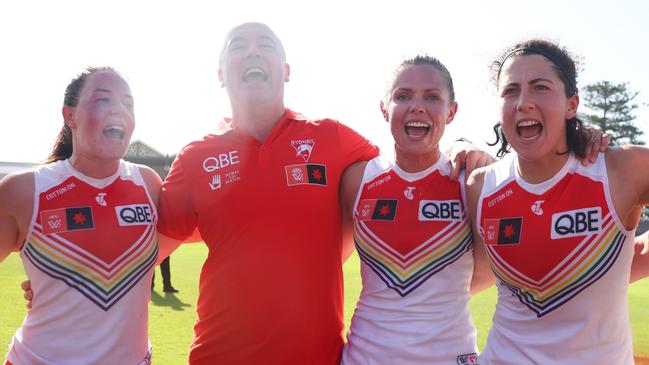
x=264 y=197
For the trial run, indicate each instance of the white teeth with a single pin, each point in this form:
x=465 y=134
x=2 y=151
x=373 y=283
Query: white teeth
x=416 y=124
x=527 y=123
x=255 y=70
x=114 y=131
x=114 y=128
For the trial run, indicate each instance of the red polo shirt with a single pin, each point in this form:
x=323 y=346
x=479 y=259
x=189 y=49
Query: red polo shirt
x=271 y=289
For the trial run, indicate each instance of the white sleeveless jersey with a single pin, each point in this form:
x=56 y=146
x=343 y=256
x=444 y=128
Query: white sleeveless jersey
x=563 y=260
x=88 y=253
x=412 y=235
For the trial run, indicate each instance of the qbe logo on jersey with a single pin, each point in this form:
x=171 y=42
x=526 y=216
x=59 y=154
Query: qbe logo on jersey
x=440 y=210
x=134 y=215
x=574 y=223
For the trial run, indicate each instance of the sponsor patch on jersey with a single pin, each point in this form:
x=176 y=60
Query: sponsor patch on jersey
x=440 y=210
x=312 y=174
x=468 y=359
x=303 y=148
x=134 y=215
x=504 y=231
x=67 y=219
x=377 y=209
x=574 y=223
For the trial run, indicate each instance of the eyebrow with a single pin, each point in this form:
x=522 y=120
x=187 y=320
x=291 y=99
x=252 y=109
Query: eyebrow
x=109 y=91
x=533 y=81
x=539 y=79
x=243 y=39
x=411 y=89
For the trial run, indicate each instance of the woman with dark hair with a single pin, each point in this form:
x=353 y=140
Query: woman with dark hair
x=559 y=235
x=84 y=224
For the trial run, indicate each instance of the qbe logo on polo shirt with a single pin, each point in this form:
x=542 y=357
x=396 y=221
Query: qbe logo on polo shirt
x=134 y=214
x=574 y=223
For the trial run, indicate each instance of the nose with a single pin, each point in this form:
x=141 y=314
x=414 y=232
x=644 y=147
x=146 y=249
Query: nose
x=417 y=107
x=253 y=51
x=525 y=101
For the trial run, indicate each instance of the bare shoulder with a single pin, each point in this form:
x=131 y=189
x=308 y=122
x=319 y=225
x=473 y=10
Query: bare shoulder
x=15 y=187
x=627 y=160
x=352 y=176
x=17 y=196
x=151 y=179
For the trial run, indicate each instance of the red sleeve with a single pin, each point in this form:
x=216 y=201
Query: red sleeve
x=354 y=146
x=176 y=213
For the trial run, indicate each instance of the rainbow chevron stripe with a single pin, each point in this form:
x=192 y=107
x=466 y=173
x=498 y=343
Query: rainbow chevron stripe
x=588 y=262
x=102 y=283
x=405 y=273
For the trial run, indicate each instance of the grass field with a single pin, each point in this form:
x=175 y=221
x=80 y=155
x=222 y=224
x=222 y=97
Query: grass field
x=172 y=316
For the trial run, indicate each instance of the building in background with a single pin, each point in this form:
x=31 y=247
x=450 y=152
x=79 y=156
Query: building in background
x=142 y=153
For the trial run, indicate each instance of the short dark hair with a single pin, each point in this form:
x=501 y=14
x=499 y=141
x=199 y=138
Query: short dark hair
x=564 y=66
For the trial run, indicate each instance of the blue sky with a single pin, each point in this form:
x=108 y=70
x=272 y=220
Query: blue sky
x=341 y=54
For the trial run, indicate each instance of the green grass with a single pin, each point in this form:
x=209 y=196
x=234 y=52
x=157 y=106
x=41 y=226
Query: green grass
x=172 y=316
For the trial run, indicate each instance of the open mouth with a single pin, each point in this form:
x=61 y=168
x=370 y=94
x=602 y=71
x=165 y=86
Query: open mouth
x=114 y=132
x=254 y=74
x=417 y=129
x=529 y=129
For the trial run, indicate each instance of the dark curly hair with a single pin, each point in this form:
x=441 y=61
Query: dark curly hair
x=577 y=136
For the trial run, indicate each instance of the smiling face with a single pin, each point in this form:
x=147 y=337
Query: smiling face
x=534 y=107
x=418 y=109
x=253 y=66
x=103 y=120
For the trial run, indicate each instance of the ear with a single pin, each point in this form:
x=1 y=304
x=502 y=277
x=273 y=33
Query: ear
x=287 y=72
x=384 y=111
x=68 y=116
x=221 y=78
x=573 y=104
x=451 y=113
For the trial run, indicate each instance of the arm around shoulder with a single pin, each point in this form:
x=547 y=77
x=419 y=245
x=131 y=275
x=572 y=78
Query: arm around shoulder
x=16 y=205
x=153 y=182
x=483 y=276
x=349 y=185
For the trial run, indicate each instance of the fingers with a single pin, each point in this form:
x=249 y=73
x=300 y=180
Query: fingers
x=605 y=141
x=587 y=154
x=477 y=159
x=458 y=165
x=26 y=285
x=597 y=143
x=28 y=294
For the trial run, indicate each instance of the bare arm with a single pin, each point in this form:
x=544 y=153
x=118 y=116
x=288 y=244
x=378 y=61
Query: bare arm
x=483 y=276
x=640 y=263
x=350 y=183
x=16 y=204
x=464 y=155
x=630 y=192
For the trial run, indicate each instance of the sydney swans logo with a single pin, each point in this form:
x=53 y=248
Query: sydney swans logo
x=303 y=147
